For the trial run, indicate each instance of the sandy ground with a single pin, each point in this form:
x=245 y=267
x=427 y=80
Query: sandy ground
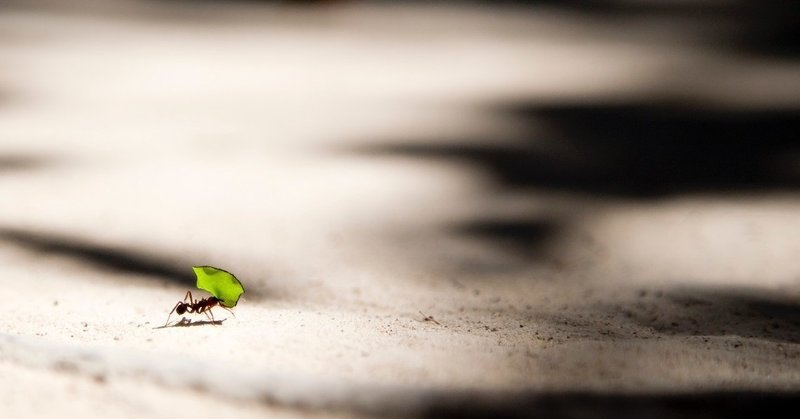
x=343 y=162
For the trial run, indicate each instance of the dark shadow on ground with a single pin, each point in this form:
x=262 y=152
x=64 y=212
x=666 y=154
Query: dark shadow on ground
x=718 y=312
x=21 y=162
x=762 y=28
x=636 y=150
x=611 y=151
x=186 y=322
x=174 y=269
x=525 y=237
x=99 y=256
x=715 y=404
x=743 y=313
x=110 y=258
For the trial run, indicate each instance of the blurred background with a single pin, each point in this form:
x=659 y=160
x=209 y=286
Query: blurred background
x=593 y=196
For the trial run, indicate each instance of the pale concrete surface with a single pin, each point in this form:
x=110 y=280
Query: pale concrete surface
x=278 y=143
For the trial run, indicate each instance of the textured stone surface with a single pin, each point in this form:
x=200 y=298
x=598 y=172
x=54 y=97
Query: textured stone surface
x=431 y=208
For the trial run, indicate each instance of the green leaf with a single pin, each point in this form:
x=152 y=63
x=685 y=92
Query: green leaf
x=219 y=283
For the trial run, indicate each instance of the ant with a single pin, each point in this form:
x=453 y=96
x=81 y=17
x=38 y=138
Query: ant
x=204 y=305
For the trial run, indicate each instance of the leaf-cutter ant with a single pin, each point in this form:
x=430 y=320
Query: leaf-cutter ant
x=204 y=305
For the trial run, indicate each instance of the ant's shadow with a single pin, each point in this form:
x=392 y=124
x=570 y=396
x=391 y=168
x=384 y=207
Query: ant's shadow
x=184 y=322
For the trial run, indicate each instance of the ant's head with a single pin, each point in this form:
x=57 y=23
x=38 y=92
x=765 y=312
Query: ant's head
x=181 y=308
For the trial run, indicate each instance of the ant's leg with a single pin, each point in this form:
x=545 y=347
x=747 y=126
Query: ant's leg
x=190 y=306
x=229 y=310
x=210 y=314
x=173 y=310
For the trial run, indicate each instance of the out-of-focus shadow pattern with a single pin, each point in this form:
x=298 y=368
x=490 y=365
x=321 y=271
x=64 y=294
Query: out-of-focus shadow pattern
x=21 y=162
x=595 y=405
x=742 y=313
x=527 y=237
x=692 y=311
x=175 y=269
x=639 y=150
x=99 y=256
x=642 y=150
x=765 y=28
